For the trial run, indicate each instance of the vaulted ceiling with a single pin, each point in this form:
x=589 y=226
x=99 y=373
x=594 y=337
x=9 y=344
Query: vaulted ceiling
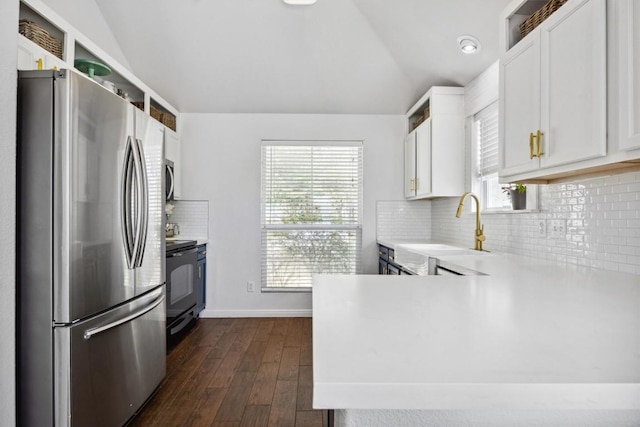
x=335 y=57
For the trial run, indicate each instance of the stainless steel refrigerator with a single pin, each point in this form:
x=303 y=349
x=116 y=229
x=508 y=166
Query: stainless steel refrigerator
x=90 y=286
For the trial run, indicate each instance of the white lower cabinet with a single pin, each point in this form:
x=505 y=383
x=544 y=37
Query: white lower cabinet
x=553 y=88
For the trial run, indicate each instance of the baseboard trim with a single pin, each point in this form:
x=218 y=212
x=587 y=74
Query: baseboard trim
x=255 y=313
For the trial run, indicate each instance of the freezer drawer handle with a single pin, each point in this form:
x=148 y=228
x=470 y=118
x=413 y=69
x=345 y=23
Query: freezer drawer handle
x=94 y=331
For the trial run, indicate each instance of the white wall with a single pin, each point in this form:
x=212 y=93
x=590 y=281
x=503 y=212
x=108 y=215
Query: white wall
x=87 y=18
x=8 y=54
x=222 y=152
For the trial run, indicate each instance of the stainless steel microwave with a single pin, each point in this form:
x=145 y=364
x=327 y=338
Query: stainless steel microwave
x=169 y=175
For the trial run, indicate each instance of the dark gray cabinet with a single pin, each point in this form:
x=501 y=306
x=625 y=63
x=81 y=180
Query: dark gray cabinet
x=387 y=264
x=201 y=279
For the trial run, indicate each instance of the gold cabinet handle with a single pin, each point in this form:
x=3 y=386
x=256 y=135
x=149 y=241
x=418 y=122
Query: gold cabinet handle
x=531 y=137
x=539 y=143
x=414 y=184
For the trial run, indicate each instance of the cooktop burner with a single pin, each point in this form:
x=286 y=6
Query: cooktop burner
x=174 y=245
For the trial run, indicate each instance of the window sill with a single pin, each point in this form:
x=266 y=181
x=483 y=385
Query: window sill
x=285 y=289
x=508 y=211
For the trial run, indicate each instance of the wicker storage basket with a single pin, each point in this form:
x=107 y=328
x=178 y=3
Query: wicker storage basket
x=40 y=36
x=169 y=120
x=155 y=113
x=418 y=122
x=540 y=15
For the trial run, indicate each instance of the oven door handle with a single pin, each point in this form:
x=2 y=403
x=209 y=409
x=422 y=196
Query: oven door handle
x=94 y=331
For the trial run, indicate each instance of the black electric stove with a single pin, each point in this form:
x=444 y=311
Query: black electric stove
x=176 y=245
x=181 y=276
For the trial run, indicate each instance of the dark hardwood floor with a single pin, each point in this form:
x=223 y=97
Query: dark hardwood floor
x=238 y=372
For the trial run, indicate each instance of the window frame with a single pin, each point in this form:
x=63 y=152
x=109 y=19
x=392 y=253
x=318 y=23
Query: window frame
x=476 y=178
x=356 y=228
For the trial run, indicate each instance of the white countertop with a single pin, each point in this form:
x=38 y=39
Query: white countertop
x=530 y=335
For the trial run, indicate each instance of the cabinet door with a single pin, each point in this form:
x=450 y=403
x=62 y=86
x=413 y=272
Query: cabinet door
x=33 y=57
x=629 y=74
x=423 y=159
x=410 y=164
x=573 y=83
x=519 y=105
x=202 y=283
x=382 y=266
x=172 y=152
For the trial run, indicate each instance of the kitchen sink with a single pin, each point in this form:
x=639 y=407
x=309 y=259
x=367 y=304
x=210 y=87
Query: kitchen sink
x=415 y=256
x=435 y=249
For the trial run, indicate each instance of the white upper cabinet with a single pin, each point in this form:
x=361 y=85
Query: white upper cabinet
x=410 y=164
x=625 y=73
x=553 y=93
x=519 y=106
x=33 y=57
x=434 y=149
x=172 y=152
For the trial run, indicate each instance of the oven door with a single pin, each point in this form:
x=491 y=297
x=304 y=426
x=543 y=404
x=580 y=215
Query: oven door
x=182 y=269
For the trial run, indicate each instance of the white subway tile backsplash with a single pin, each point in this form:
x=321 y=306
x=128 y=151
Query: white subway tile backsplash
x=602 y=224
x=193 y=218
x=400 y=219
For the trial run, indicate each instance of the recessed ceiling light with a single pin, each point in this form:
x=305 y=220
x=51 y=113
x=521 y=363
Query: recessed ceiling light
x=300 y=2
x=468 y=44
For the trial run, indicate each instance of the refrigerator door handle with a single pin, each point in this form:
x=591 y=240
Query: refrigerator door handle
x=143 y=203
x=126 y=203
x=128 y=318
x=172 y=179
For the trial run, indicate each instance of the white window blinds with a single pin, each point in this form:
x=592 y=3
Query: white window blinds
x=486 y=125
x=311 y=211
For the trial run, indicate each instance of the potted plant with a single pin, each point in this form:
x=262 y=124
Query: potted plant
x=518 y=195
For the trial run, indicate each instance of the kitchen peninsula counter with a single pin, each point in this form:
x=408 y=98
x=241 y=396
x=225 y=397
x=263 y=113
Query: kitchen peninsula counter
x=529 y=335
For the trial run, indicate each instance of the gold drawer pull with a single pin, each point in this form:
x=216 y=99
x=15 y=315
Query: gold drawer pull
x=539 y=142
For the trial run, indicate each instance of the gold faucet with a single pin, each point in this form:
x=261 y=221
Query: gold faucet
x=479 y=237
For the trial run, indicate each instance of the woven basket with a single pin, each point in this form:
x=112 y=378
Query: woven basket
x=155 y=113
x=418 y=122
x=40 y=36
x=540 y=15
x=169 y=120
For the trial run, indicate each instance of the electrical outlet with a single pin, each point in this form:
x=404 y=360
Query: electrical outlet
x=557 y=228
x=251 y=286
x=542 y=228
